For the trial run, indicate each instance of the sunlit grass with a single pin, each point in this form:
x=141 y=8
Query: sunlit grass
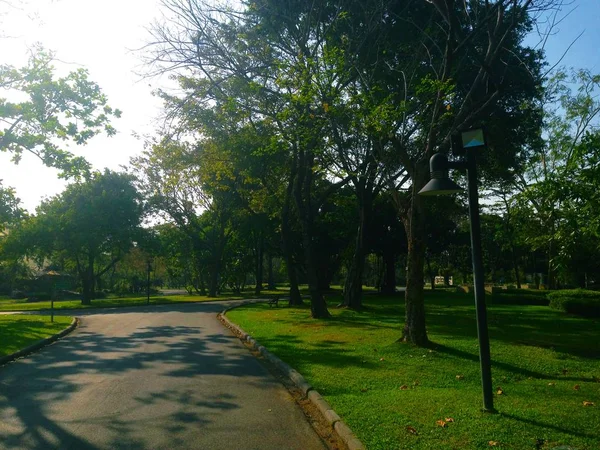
x=546 y=363
x=23 y=305
x=18 y=332
x=141 y=300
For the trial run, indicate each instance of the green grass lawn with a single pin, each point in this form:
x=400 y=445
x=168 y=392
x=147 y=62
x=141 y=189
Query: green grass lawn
x=7 y=304
x=546 y=364
x=23 y=305
x=18 y=332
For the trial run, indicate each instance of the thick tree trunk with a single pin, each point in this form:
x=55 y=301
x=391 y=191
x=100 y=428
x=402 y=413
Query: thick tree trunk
x=87 y=280
x=415 y=330
x=389 y=274
x=354 y=280
x=430 y=273
x=202 y=284
x=213 y=282
x=286 y=244
x=295 y=297
x=303 y=196
x=318 y=307
x=87 y=291
x=353 y=283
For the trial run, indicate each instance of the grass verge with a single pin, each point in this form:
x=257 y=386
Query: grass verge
x=23 y=305
x=18 y=332
x=392 y=395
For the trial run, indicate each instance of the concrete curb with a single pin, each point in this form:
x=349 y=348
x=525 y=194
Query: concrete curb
x=39 y=344
x=344 y=432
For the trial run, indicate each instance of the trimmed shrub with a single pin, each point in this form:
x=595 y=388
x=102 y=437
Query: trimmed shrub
x=576 y=301
x=520 y=297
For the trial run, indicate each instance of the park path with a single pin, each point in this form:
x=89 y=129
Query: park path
x=156 y=378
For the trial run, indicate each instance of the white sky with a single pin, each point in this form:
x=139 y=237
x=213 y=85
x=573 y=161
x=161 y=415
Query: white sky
x=97 y=35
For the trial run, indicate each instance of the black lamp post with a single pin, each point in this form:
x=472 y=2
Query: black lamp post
x=472 y=141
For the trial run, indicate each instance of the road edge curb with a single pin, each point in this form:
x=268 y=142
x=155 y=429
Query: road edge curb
x=39 y=344
x=343 y=431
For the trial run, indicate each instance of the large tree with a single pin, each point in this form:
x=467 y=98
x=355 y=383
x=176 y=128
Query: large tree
x=92 y=225
x=349 y=84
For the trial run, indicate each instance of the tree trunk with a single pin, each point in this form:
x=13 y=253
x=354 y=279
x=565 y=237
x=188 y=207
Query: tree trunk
x=87 y=292
x=318 y=307
x=286 y=244
x=415 y=330
x=270 y=277
x=87 y=280
x=213 y=283
x=354 y=280
x=302 y=195
x=353 y=283
x=550 y=282
x=515 y=266
x=430 y=272
x=389 y=275
x=259 y=263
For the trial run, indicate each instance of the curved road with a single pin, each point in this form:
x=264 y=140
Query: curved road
x=156 y=378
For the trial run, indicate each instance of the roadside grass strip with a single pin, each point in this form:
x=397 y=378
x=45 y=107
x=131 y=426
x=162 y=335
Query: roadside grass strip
x=20 y=331
x=545 y=368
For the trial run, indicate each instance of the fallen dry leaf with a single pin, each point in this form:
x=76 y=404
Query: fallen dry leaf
x=551 y=384
x=586 y=403
x=576 y=387
x=403 y=387
x=381 y=359
x=449 y=419
x=499 y=391
x=494 y=443
x=411 y=430
x=442 y=423
x=460 y=377
x=415 y=383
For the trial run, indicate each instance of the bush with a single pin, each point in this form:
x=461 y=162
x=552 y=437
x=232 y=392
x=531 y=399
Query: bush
x=520 y=297
x=38 y=297
x=576 y=301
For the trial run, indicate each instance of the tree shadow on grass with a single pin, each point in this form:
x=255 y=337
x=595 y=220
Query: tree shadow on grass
x=536 y=423
x=328 y=353
x=536 y=326
x=460 y=354
x=31 y=389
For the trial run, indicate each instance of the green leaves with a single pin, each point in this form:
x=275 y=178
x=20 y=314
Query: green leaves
x=40 y=110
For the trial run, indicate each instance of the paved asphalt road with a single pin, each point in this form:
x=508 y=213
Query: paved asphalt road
x=158 y=378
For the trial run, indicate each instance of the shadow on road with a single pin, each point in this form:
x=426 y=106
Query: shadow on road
x=31 y=389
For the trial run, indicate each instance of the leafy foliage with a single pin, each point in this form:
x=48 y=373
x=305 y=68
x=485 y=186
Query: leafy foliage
x=41 y=113
x=89 y=227
x=576 y=301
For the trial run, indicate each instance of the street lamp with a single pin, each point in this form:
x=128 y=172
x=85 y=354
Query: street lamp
x=472 y=141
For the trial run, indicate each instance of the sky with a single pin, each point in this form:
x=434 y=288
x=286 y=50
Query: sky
x=100 y=36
